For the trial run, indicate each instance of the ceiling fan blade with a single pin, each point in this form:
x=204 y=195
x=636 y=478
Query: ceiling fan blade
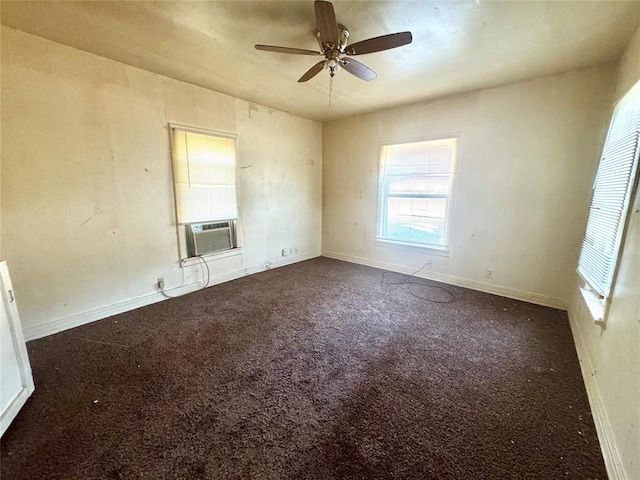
x=326 y=22
x=312 y=72
x=297 y=51
x=358 y=69
x=377 y=44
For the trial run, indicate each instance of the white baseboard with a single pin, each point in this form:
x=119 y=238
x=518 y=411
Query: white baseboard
x=458 y=281
x=65 y=323
x=281 y=262
x=610 y=453
x=34 y=332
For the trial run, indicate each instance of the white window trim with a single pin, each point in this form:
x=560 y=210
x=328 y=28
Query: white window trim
x=594 y=303
x=181 y=241
x=188 y=261
x=204 y=131
x=413 y=247
x=599 y=305
x=444 y=251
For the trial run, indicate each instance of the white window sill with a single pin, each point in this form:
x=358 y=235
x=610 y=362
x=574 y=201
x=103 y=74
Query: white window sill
x=594 y=304
x=415 y=247
x=211 y=256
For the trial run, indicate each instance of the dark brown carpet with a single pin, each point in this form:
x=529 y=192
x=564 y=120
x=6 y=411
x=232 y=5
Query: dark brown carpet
x=317 y=370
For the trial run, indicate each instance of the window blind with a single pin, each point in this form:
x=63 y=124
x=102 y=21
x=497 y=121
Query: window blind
x=204 y=172
x=612 y=189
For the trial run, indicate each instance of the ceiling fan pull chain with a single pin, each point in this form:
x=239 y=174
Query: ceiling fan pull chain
x=330 y=89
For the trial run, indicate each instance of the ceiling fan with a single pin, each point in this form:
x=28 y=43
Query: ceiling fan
x=332 y=38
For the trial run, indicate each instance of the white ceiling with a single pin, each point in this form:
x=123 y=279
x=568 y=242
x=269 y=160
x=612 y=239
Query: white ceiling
x=457 y=46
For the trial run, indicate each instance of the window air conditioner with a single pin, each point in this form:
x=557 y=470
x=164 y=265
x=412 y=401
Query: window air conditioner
x=210 y=237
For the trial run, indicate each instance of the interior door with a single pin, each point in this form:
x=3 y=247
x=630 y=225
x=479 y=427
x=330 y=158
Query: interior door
x=16 y=382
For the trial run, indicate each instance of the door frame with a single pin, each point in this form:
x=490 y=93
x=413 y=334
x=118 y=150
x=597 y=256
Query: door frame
x=10 y=305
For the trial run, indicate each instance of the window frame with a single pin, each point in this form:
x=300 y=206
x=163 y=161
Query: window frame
x=599 y=303
x=182 y=250
x=381 y=211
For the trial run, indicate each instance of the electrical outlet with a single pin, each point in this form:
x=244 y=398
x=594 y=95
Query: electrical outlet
x=160 y=283
x=489 y=273
x=285 y=252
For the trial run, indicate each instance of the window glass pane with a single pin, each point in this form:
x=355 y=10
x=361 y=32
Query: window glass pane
x=421 y=184
x=417 y=220
x=418 y=158
x=416 y=182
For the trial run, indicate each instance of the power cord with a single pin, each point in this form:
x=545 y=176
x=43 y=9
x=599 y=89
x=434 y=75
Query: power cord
x=405 y=281
x=161 y=283
x=208 y=272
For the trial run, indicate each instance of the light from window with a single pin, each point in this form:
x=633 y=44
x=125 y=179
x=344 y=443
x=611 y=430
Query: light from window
x=415 y=186
x=204 y=173
x=612 y=191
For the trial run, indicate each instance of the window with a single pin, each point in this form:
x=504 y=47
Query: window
x=612 y=191
x=415 y=187
x=204 y=177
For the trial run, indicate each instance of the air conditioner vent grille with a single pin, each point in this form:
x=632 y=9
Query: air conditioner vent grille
x=212 y=226
x=203 y=238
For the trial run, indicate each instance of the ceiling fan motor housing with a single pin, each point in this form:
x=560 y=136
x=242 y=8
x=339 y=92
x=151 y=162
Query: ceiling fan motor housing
x=343 y=38
x=333 y=53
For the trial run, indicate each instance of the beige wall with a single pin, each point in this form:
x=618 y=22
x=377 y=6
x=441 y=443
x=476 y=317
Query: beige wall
x=527 y=153
x=88 y=220
x=611 y=357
